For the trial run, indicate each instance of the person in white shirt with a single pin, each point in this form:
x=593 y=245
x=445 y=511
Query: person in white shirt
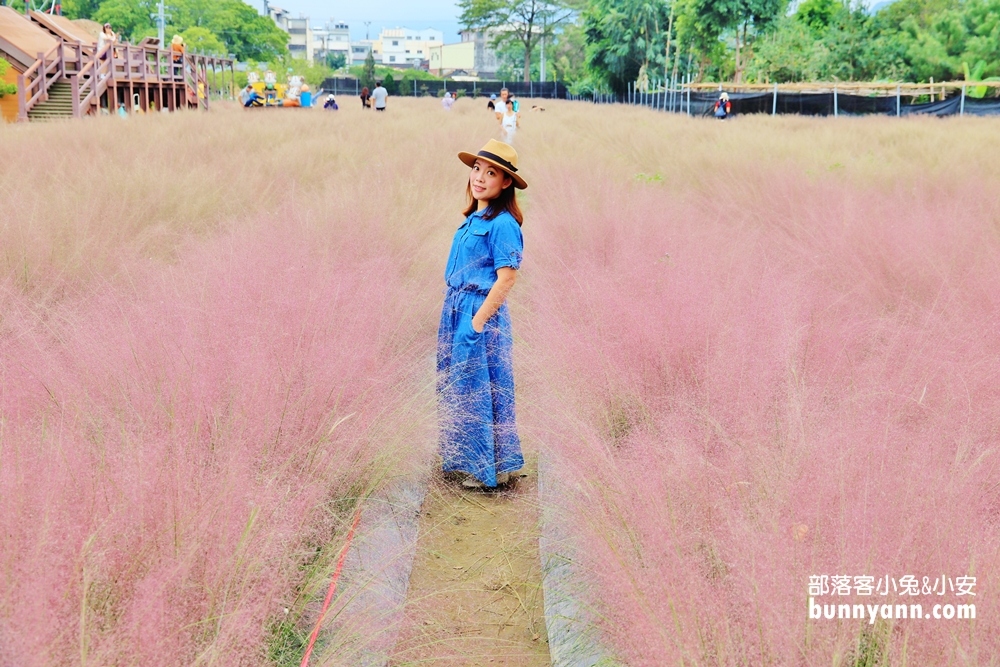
x=448 y=101
x=509 y=121
x=379 y=96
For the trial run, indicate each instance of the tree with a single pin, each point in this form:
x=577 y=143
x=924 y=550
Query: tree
x=335 y=60
x=368 y=73
x=5 y=88
x=127 y=17
x=522 y=21
x=568 y=55
x=746 y=18
x=390 y=84
x=203 y=40
x=80 y=9
x=624 y=38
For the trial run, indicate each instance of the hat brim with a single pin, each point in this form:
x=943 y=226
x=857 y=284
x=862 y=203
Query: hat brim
x=470 y=159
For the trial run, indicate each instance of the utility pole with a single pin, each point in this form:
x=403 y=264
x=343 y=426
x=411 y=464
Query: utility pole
x=367 y=23
x=161 y=20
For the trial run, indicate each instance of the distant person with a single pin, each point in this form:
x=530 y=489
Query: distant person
x=106 y=38
x=723 y=107
x=250 y=98
x=305 y=96
x=177 y=54
x=121 y=111
x=365 y=96
x=379 y=96
x=509 y=122
x=331 y=103
x=491 y=105
x=504 y=94
x=448 y=101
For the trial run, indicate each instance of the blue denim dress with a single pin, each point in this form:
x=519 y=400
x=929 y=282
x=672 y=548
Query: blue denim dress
x=475 y=377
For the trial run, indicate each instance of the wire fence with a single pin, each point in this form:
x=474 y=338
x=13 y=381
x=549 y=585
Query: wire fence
x=943 y=99
x=437 y=88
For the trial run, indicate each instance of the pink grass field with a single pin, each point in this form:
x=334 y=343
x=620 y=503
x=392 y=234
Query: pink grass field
x=760 y=350
x=772 y=376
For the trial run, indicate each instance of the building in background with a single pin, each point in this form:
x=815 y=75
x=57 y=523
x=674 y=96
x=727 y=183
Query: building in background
x=360 y=49
x=301 y=43
x=405 y=48
x=333 y=38
x=471 y=58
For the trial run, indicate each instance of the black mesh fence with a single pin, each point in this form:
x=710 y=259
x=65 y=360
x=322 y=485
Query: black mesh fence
x=811 y=104
x=419 y=88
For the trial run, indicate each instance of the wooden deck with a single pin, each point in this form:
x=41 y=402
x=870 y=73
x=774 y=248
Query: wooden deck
x=47 y=50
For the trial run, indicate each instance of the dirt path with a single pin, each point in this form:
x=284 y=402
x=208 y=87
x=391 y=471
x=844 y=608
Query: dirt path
x=475 y=594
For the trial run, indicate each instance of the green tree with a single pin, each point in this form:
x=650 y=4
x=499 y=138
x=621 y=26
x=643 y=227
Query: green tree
x=335 y=60
x=390 y=84
x=127 y=17
x=203 y=40
x=567 y=57
x=368 y=72
x=745 y=18
x=80 y=9
x=516 y=21
x=625 y=38
x=5 y=88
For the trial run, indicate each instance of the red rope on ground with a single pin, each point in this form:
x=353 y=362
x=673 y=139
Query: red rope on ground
x=333 y=587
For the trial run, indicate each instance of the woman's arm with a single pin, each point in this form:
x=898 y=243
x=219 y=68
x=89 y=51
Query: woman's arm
x=506 y=277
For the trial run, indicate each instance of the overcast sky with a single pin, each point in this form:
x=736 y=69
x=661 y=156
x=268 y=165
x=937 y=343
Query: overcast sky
x=440 y=14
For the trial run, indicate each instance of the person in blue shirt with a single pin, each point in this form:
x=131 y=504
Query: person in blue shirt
x=475 y=380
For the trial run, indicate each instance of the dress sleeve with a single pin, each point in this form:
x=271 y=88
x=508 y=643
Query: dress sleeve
x=506 y=243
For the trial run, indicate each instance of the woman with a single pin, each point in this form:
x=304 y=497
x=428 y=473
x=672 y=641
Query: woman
x=475 y=375
x=509 y=121
x=107 y=36
x=491 y=105
x=365 y=95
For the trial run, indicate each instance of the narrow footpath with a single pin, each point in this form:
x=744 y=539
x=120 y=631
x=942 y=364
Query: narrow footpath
x=475 y=592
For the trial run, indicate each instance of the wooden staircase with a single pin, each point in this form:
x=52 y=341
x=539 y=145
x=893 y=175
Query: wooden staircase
x=59 y=105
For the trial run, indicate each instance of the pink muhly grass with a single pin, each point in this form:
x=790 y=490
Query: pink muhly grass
x=173 y=441
x=768 y=379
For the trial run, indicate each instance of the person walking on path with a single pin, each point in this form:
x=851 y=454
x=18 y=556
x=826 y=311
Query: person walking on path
x=509 y=121
x=379 y=96
x=365 y=95
x=475 y=378
x=491 y=105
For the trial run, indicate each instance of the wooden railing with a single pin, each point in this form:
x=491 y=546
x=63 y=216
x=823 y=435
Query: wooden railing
x=91 y=72
x=92 y=79
x=33 y=86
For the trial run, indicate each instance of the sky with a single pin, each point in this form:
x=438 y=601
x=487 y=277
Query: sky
x=439 y=14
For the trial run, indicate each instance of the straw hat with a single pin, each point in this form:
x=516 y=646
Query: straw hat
x=499 y=154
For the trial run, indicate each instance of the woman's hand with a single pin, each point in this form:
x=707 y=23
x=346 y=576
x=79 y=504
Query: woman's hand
x=506 y=277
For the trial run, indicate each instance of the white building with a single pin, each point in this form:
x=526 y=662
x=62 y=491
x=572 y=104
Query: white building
x=360 y=49
x=334 y=37
x=402 y=47
x=300 y=35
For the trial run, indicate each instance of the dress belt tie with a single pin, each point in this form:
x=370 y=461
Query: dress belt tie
x=475 y=289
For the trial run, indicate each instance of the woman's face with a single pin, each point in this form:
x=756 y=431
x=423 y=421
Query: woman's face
x=487 y=181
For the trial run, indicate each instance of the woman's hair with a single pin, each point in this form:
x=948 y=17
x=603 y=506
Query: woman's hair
x=364 y=91
x=505 y=201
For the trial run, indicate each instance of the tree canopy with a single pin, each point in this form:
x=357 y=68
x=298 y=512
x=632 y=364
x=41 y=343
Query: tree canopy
x=522 y=22
x=211 y=26
x=764 y=41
